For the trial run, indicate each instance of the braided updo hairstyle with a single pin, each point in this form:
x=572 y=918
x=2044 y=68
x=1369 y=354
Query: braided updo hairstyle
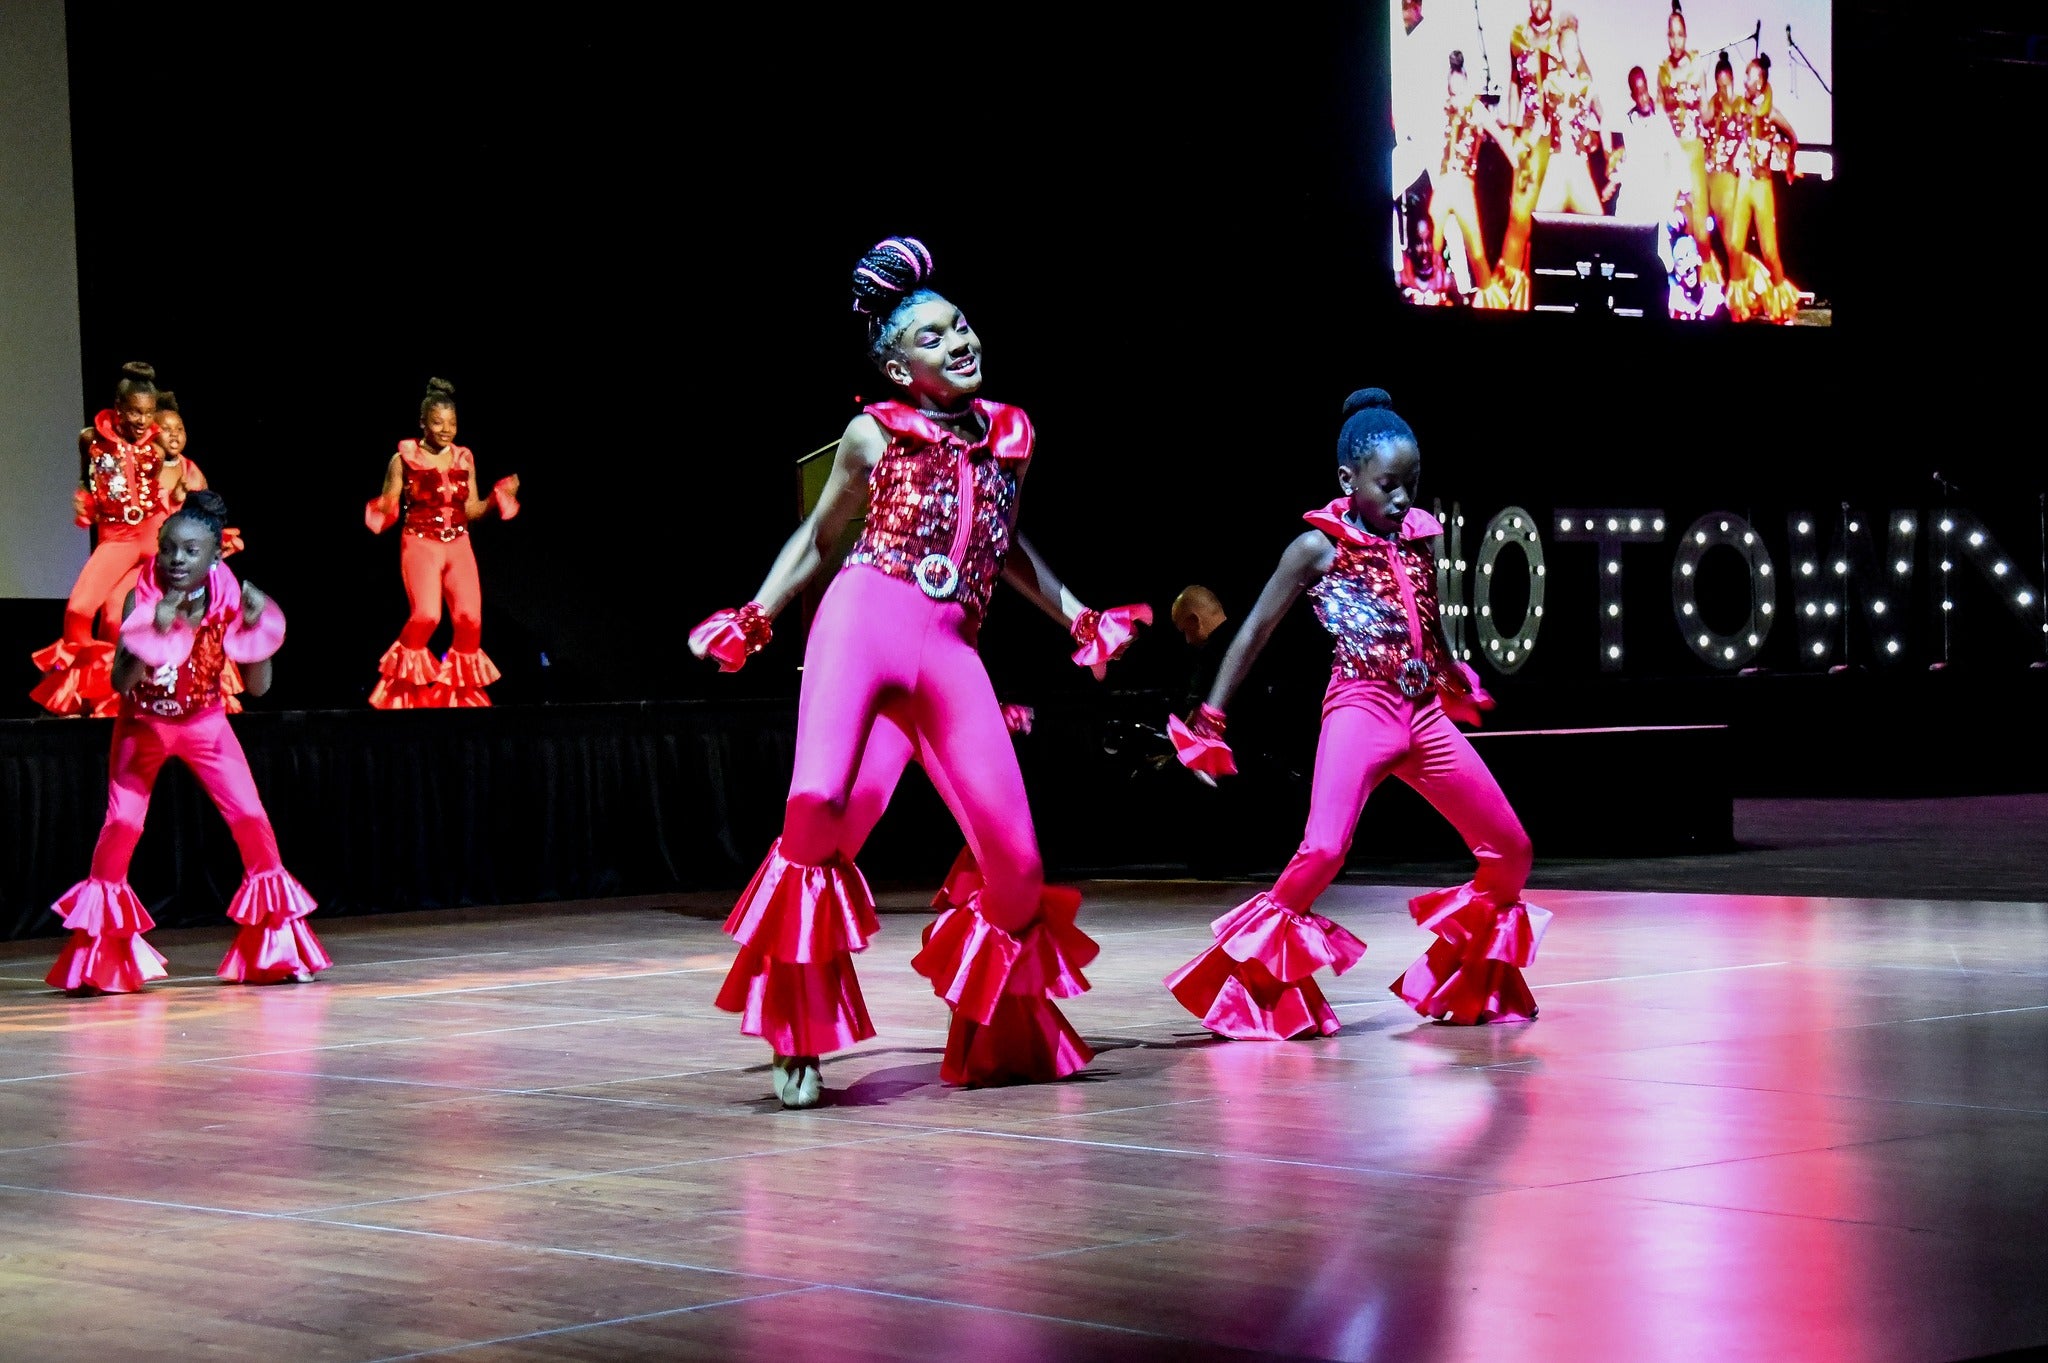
x=136 y=377
x=1370 y=423
x=205 y=507
x=440 y=393
x=889 y=280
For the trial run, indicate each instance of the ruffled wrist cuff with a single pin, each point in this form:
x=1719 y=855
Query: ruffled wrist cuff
x=503 y=498
x=730 y=637
x=157 y=647
x=1104 y=635
x=254 y=643
x=377 y=516
x=1200 y=746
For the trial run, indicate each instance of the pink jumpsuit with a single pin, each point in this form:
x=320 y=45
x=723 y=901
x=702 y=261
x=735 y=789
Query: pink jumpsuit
x=178 y=712
x=1382 y=716
x=891 y=669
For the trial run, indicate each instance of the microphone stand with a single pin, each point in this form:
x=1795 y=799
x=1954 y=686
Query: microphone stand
x=1755 y=39
x=1825 y=87
x=1489 y=94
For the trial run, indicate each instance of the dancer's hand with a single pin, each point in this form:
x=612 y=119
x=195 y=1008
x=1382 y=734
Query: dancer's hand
x=730 y=637
x=253 y=603
x=167 y=611
x=1104 y=635
x=1200 y=745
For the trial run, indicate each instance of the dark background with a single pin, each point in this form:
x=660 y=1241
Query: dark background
x=626 y=240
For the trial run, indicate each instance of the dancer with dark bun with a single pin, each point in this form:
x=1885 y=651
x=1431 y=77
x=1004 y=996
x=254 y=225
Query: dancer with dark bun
x=131 y=479
x=185 y=620
x=1395 y=688
x=891 y=670
x=431 y=492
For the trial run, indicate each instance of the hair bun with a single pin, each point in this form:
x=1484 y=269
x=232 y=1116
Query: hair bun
x=891 y=268
x=208 y=504
x=166 y=400
x=139 y=372
x=440 y=388
x=1368 y=397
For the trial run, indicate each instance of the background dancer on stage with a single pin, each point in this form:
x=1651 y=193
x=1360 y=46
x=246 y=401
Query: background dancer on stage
x=132 y=478
x=1395 y=687
x=431 y=490
x=187 y=617
x=892 y=653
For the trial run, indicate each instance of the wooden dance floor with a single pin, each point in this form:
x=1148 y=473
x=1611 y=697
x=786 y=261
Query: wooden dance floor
x=1745 y=1128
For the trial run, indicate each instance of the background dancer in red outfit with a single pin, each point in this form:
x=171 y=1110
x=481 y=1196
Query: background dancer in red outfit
x=893 y=648
x=431 y=492
x=187 y=618
x=1395 y=686
x=133 y=477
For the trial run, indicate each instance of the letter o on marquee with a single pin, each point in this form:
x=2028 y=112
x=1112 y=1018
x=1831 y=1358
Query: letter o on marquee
x=1725 y=651
x=1512 y=528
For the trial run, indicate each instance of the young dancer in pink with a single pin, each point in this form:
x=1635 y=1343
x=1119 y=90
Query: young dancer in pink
x=186 y=618
x=430 y=489
x=891 y=672
x=1395 y=687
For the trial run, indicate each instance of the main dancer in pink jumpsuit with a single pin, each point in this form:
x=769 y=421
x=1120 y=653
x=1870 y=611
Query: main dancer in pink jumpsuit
x=186 y=618
x=891 y=672
x=1395 y=688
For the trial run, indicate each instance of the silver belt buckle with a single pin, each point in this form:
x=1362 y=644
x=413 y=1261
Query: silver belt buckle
x=937 y=576
x=132 y=514
x=1414 y=678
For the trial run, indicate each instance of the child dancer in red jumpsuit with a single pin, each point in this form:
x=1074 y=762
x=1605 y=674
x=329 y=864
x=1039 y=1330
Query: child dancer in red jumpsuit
x=1395 y=688
x=891 y=660
x=430 y=489
x=187 y=617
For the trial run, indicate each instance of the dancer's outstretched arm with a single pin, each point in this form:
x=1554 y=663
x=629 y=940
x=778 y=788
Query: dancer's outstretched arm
x=1027 y=571
x=846 y=491
x=1304 y=563
x=1102 y=635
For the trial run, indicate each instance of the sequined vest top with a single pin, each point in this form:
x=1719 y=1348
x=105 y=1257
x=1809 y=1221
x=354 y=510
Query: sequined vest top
x=121 y=476
x=1361 y=601
x=435 y=502
x=942 y=509
x=181 y=690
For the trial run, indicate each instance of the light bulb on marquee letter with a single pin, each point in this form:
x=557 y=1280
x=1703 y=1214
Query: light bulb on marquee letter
x=1610 y=528
x=1511 y=528
x=1711 y=531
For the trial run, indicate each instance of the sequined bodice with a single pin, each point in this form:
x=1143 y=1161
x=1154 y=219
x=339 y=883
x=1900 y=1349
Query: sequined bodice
x=1728 y=126
x=1574 y=126
x=121 y=477
x=1767 y=148
x=181 y=690
x=1532 y=56
x=917 y=494
x=435 y=501
x=1359 y=602
x=1462 y=136
x=1684 y=96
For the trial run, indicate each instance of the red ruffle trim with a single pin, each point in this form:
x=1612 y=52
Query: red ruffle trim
x=793 y=983
x=461 y=683
x=1210 y=756
x=406 y=676
x=1472 y=973
x=78 y=680
x=1254 y=984
x=962 y=883
x=275 y=942
x=106 y=951
x=1001 y=987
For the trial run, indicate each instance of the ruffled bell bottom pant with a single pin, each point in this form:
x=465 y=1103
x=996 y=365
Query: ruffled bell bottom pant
x=410 y=677
x=1256 y=981
x=890 y=673
x=106 y=950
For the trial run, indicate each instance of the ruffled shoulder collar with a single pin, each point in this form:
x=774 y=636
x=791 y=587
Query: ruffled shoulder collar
x=107 y=424
x=223 y=592
x=1416 y=525
x=1009 y=435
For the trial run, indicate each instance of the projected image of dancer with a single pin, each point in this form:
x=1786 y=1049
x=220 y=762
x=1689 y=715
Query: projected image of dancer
x=185 y=620
x=1768 y=146
x=1682 y=92
x=1642 y=174
x=1454 y=195
x=893 y=647
x=1726 y=126
x=1572 y=109
x=431 y=493
x=1532 y=56
x=130 y=483
x=1368 y=567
